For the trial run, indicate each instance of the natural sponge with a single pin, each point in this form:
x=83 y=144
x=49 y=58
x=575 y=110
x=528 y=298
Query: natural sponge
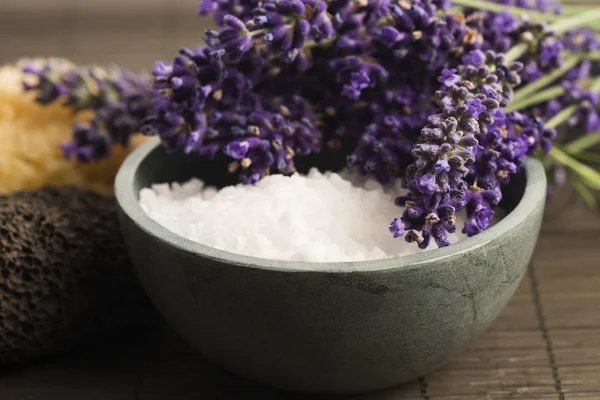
x=65 y=279
x=30 y=135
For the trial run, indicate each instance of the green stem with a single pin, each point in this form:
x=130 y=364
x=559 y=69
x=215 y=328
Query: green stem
x=588 y=175
x=569 y=62
x=562 y=116
x=547 y=94
x=587 y=157
x=311 y=43
x=572 y=9
x=516 y=11
x=541 y=97
x=564 y=24
x=595 y=85
x=593 y=56
x=560 y=26
x=583 y=142
x=515 y=52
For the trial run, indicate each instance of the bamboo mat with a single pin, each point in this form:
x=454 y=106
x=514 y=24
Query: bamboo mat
x=545 y=345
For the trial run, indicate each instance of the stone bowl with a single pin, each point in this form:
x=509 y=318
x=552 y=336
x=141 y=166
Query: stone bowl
x=334 y=327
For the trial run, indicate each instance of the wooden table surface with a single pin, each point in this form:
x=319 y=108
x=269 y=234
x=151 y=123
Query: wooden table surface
x=545 y=345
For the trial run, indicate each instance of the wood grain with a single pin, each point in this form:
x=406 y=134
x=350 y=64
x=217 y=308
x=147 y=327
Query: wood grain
x=510 y=361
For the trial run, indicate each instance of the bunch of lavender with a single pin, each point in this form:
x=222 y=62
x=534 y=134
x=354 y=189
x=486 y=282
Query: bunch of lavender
x=560 y=66
x=469 y=148
x=202 y=105
x=429 y=90
x=118 y=100
x=309 y=52
x=445 y=177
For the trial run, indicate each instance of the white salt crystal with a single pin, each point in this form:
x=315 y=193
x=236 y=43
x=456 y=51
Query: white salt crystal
x=209 y=193
x=193 y=186
x=162 y=189
x=372 y=184
x=320 y=217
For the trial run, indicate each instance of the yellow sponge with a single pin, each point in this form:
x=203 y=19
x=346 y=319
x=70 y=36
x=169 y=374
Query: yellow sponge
x=29 y=138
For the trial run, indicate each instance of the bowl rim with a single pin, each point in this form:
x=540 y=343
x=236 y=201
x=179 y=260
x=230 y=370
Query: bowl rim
x=533 y=197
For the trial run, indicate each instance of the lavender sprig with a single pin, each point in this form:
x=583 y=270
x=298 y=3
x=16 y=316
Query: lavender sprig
x=117 y=98
x=203 y=106
x=470 y=112
x=283 y=27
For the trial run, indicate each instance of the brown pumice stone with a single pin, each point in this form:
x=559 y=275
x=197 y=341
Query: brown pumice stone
x=65 y=279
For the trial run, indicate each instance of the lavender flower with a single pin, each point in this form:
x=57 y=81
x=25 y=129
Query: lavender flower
x=48 y=85
x=205 y=107
x=586 y=117
x=283 y=27
x=356 y=75
x=118 y=99
x=438 y=181
x=87 y=144
x=584 y=120
x=581 y=41
x=241 y=9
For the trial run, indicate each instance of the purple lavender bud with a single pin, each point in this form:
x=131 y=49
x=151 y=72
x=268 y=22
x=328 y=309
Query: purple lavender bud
x=206 y=7
x=426 y=184
x=475 y=58
x=397 y=228
x=183 y=84
x=297 y=7
x=467 y=141
x=237 y=149
x=271 y=18
x=402 y=19
x=360 y=80
x=351 y=92
x=213 y=38
x=261 y=20
x=419 y=15
x=321 y=26
x=440 y=236
x=479 y=219
x=161 y=70
x=193 y=142
x=236 y=48
x=475 y=107
x=390 y=36
x=449 y=77
x=300 y=34
x=441 y=166
x=550 y=49
x=234 y=23
x=276 y=34
x=504 y=22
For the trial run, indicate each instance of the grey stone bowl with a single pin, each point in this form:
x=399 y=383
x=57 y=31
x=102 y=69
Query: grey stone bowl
x=328 y=328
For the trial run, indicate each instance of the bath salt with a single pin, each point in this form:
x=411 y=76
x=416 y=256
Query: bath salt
x=319 y=217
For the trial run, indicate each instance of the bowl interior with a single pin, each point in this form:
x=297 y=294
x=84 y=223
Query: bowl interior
x=150 y=163
x=160 y=167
